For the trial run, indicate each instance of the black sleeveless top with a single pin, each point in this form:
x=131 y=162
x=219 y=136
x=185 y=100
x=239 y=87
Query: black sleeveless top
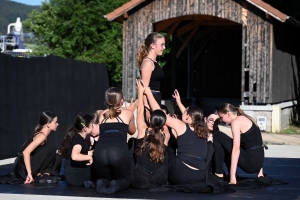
x=191 y=149
x=156 y=77
x=251 y=138
x=113 y=133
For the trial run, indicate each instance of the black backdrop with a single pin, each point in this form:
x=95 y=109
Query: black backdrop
x=29 y=86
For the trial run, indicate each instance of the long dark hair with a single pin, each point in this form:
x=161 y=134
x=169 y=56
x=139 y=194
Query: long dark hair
x=82 y=120
x=145 y=46
x=227 y=107
x=113 y=97
x=45 y=118
x=198 y=124
x=153 y=139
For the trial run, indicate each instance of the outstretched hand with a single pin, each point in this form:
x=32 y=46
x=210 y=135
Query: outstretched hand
x=176 y=96
x=132 y=106
x=141 y=87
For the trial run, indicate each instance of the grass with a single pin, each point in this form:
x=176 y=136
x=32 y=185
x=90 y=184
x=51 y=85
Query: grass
x=293 y=129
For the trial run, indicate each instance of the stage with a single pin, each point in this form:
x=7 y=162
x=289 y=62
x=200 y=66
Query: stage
x=284 y=169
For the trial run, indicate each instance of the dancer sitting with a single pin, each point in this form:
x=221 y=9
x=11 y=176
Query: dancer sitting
x=37 y=159
x=151 y=168
x=189 y=165
x=76 y=151
x=245 y=149
x=112 y=159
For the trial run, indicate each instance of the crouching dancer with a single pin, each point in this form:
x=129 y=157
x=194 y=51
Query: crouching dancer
x=151 y=168
x=245 y=149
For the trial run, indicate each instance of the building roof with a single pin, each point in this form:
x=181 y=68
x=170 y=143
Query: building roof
x=267 y=8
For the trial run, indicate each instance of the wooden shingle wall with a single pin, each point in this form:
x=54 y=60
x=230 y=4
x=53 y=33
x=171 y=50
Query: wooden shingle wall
x=256 y=34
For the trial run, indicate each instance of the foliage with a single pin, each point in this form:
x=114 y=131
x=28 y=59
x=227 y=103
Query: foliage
x=77 y=29
x=10 y=10
x=295 y=130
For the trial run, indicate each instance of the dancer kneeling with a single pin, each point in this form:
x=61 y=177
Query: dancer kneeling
x=245 y=149
x=76 y=151
x=189 y=166
x=151 y=168
x=111 y=156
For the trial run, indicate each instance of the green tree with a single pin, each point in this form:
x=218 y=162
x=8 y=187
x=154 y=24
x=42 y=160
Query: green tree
x=78 y=30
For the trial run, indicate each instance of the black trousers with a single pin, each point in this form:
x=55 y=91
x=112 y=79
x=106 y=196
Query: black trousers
x=45 y=161
x=76 y=176
x=250 y=161
x=113 y=163
x=179 y=173
x=144 y=179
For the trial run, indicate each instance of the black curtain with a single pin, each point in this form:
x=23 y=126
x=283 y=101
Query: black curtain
x=29 y=86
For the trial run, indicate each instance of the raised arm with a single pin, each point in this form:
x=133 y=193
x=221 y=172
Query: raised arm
x=236 y=133
x=174 y=123
x=178 y=101
x=141 y=125
x=38 y=140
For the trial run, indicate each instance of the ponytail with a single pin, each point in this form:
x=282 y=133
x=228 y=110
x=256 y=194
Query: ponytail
x=201 y=130
x=142 y=53
x=112 y=112
x=226 y=107
x=82 y=120
x=67 y=141
x=240 y=112
x=154 y=140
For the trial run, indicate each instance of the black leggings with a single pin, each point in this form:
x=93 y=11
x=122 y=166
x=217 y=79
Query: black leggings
x=76 y=176
x=179 y=173
x=250 y=161
x=113 y=163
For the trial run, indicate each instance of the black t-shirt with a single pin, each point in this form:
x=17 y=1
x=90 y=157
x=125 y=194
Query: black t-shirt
x=144 y=159
x=78 y=140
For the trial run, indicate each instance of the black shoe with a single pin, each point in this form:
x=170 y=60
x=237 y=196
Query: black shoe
x=45 y=178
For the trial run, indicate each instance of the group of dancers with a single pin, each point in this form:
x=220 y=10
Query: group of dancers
x=96 y=152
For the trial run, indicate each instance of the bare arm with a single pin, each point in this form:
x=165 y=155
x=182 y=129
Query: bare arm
x=77 y=156
x=235 y=127
x=178 y=101
x=146 y=72
x=131 y=125
x=174 y=123
x=38 y=140
x=141 y=125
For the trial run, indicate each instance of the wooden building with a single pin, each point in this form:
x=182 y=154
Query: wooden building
x=242 y=49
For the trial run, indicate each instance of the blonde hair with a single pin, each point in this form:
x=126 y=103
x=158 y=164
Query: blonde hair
x=145 y=46
x=226 y=107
